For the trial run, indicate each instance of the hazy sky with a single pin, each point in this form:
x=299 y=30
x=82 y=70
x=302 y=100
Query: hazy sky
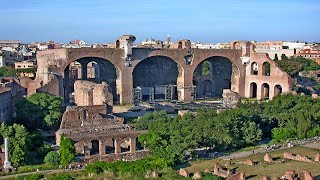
x=197 y=20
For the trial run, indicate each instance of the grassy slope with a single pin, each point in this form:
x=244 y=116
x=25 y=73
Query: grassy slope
x=274 y=169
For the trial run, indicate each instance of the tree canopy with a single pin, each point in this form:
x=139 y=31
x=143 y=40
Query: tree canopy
x=18 y=143
x=39 y=110
x=286 y=116
x=16 y=72
x=67 y=151
x=171 y=138
x=206 y=70
x=53 y=158
x=295 y=65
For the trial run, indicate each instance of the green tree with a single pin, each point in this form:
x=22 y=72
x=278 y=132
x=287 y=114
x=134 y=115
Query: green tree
x=276 y=57
x=2 y=70
x=37 y=140
x=53 y=158
x=67 y=151
x=290 y=66
x=284 y=57
x=284 y=117
x=206 y=68
x=308 y=64
x=18 y=139
x=251 y=132
x=44 y=150
x=39 y=110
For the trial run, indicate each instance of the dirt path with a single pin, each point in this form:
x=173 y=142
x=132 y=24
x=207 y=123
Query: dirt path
x=43 y=172
x=315 y=145
x=259 y=150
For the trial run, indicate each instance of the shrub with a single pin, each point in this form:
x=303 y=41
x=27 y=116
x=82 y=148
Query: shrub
x=207 y=176
x=44 y=150
x=37 y=141
x=136 y=167
x=67 y=151
x=52 y=158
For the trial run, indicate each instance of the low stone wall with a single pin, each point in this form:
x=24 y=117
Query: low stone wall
x=296 y=157
x=185 y=173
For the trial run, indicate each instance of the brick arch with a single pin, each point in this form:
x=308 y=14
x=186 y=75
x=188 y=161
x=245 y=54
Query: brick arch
x=71 y=60
x=252 y=68
x=237 y=69
x=265 y=91
x=253 y=90
x=114 y=86
x=277 y=89
x=264 y=68
x=180 y=66
x=180 y=69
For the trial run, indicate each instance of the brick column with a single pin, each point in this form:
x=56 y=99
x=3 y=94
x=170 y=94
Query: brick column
x=185 y=83
x=87 y=149
x=117 y=148
x=133 y=144
x=271 y=91
x=125 y=86
x=84 y=70
x=259 y=92
x=102 y=147
x=66 y=84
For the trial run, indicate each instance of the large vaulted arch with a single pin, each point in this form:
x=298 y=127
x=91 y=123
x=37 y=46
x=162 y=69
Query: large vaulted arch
x=92 y=69
x=216 y=72
x=157 y=76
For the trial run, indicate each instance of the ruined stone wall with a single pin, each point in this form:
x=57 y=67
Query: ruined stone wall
x=54 y=87
x=50 y=61
x=276 y=77
x=55 y=62
x=296 y=157
x=182 y=44
x=88 y=93
x=75 y=116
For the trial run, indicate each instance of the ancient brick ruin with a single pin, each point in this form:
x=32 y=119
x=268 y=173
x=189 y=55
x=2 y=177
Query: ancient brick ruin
x=249 y=162
x=96 y=132
x=225 y=172
x=317 y=158
x=218 y=170
x=296 y=157
x=162 y=73
x=267 y=158
x=292 y=174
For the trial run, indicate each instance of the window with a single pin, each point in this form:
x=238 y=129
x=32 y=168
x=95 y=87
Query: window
x=266 y=69
x=254 y=68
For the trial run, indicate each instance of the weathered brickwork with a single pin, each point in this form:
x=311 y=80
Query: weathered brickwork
x=296 y=157
x=125 y=59
x=97 y=134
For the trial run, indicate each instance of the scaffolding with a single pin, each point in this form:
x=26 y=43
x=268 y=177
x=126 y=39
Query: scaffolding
x=151 y=95
x=169 y=93
x=137 y=96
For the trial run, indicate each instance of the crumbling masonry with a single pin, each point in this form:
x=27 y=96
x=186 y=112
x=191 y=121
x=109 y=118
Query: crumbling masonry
x=97 y=134
x=161 y=70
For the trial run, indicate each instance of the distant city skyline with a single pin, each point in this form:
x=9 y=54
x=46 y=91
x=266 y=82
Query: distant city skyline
x=203 y=20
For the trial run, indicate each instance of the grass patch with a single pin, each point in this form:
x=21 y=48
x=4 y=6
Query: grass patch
x=33 y=168
x=273 y=169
